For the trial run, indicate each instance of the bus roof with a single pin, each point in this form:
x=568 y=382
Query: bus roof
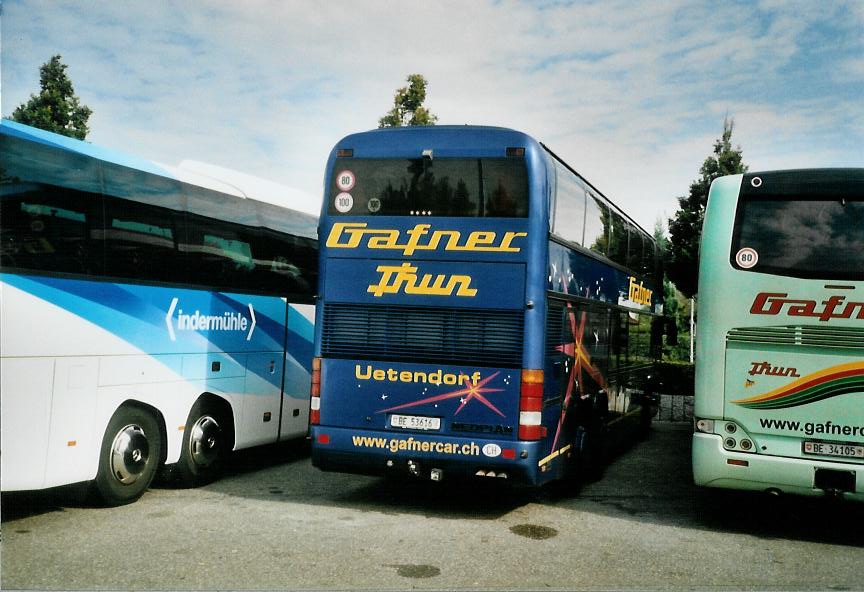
x=60 y=142
x=406 y=141
x=474 y=140
x=194 y=173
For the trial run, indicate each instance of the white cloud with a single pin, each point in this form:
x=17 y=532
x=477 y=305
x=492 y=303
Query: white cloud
x=631 y=94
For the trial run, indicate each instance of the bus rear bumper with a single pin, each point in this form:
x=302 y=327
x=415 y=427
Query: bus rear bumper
x=711 y=468
x=427 y=456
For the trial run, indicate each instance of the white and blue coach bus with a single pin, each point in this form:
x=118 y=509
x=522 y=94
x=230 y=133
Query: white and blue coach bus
x=146 y=320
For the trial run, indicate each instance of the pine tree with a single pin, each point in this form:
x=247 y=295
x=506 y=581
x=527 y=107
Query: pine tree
x=685 y=229
x=56 y=109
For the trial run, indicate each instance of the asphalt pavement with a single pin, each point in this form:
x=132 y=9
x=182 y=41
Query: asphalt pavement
x=275 y=522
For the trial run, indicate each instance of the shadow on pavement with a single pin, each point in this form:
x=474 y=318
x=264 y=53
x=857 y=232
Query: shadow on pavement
x=15 y=505
x=652 y=482
x=649 y=482
x=302 y=483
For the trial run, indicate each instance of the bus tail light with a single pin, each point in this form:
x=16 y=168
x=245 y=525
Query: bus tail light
x=315 y=392
x=531 y=405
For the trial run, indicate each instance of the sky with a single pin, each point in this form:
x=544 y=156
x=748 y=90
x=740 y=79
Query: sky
x=631 y=93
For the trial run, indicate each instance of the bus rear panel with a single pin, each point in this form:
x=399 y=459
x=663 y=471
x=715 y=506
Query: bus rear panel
x=454 y=336
x=424 y=312
x=780 y=362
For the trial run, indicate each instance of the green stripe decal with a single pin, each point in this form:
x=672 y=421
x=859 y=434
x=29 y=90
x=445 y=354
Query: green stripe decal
x=825 y=384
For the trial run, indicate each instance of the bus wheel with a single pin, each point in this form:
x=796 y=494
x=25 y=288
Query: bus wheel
x=591 y=452
x=129 y=457
x=646 y=416
x=205 y=445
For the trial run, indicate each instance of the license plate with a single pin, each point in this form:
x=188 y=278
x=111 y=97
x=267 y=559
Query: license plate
x=415 y=422
x=829 y=449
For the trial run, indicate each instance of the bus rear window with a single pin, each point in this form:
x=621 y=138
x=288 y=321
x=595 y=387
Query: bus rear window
x=465 y=187
x=800 y=237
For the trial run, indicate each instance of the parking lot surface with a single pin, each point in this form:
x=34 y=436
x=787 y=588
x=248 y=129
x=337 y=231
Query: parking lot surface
x=275 y=522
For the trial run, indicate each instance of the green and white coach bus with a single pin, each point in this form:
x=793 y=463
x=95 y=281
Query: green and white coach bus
x=780 y=339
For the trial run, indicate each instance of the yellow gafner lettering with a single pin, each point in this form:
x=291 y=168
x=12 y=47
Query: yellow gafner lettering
x=350 y=235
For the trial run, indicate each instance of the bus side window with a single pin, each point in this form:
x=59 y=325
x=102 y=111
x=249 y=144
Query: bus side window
x=595 y=338
x=623 y=341
x=220 y=255
x=555 y=342
x=569 y=206
x=140 y=241
x=648 y=265
x=283 y=263
x=597 y=225
x=618 y=239
x=639 y=338
x=47 y=228
x=635 y=250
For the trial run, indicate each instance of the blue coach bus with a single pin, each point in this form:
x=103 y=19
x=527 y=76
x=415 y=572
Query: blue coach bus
x=483 y=310
x=146 y=319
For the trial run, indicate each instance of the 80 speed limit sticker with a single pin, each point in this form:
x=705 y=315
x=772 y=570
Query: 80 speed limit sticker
x=345 y=181
x=746 y=258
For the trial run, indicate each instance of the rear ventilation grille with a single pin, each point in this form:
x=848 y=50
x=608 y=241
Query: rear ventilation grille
x=833 y=337
x=423 y=334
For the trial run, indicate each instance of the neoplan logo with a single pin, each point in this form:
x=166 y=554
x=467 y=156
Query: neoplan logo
x=227 y=321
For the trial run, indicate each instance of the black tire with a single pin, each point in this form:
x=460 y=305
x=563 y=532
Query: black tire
x=646 y=418
x=129 y=457
x=591 y=451
x=207 y=440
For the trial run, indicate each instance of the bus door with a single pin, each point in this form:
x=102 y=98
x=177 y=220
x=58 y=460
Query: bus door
x=263 y=338
x=298 y=369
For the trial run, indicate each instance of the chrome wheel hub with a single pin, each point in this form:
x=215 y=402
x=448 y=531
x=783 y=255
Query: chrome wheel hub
x=130 y=452
x=204 y=441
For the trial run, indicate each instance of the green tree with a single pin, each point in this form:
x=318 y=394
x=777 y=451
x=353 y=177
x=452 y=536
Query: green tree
x=408 y=106
x=660 y=237
x=685 y=229
x=56 y=109
x=670 y=303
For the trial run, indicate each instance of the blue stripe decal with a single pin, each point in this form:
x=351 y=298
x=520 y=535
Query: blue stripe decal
x=159 y=320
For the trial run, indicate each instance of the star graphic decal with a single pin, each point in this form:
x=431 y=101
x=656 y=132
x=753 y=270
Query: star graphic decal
x=465 y=396
x=581 y=361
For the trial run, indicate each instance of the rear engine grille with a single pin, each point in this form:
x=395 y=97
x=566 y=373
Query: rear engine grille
x=829 y=337
x=423 y=334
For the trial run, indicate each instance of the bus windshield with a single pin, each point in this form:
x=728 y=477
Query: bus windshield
x=806 y=238
x=465 y=187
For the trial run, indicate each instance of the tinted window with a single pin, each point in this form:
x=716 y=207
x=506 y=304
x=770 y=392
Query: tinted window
x=284 y=264
x=596 y=225
x=490 y=187
x=634 y=342
x=48 y=228
x=590 y=344
x=618 y=239
x=50 y=203
x=70 y=213
x=219 y=254
x=569 y=206
x=635 y=249
x=803 y=237
x=648 y=266
x=141 y=241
